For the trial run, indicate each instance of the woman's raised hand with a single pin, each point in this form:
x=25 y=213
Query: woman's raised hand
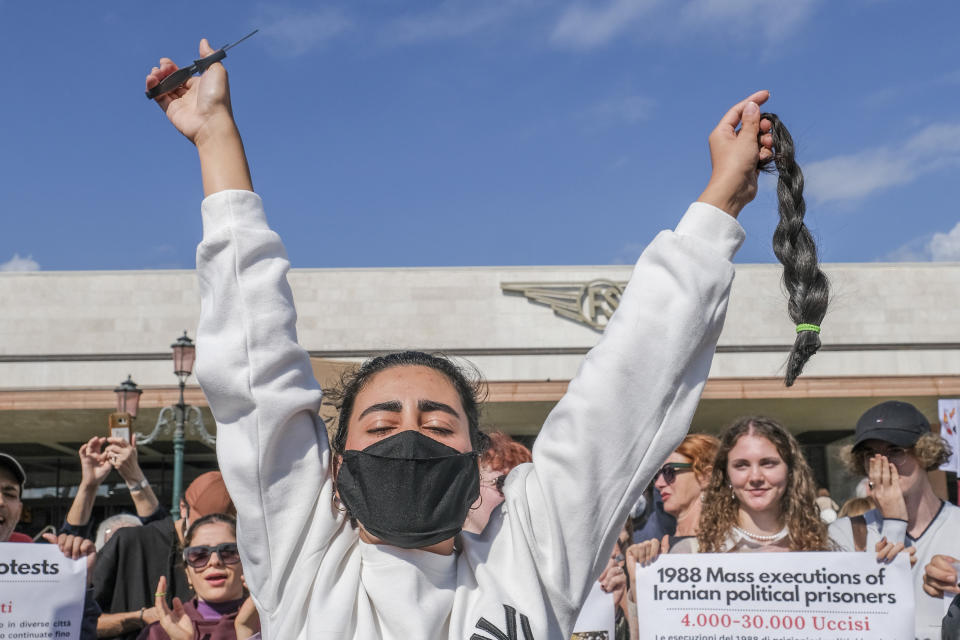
x=736 y=155
x=175 y=622
x=200 y=105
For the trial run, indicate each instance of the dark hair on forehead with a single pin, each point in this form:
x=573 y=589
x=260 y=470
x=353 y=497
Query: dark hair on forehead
x=210 y=518
x=466 y=380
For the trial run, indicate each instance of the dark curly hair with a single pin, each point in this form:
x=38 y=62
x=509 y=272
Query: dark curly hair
x=465 y=379
x=806 y=285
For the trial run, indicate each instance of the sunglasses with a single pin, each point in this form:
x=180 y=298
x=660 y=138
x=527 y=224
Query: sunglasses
x=670 y=470
x=199 y=556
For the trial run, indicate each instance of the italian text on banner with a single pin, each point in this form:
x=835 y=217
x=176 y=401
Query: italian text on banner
x=41 y=592
x=775 y=596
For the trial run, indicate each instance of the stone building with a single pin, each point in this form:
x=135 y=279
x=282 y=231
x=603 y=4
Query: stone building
x=68 y=338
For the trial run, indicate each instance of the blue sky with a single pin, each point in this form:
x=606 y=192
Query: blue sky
x=476 y=132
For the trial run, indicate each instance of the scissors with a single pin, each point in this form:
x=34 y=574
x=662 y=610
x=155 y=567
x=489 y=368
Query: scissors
x=180 y=76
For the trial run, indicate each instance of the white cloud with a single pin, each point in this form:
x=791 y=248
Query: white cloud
x=946 y=246
x=16 y=263
x=939 y=246
x=745 y=19
x=858 y=175
x=295 y=33
x=453 y=19
x=585 y=26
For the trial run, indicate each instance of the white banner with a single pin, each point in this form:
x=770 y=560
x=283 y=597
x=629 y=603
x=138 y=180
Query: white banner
x=41 y=592
x=775 y=596
x=949 y=413
x=597 y=616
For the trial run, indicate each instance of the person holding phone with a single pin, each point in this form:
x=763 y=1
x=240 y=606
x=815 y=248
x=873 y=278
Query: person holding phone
x=98 y=457
x=360 y=537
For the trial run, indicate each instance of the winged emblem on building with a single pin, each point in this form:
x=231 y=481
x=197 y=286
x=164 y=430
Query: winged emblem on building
x=591 y=303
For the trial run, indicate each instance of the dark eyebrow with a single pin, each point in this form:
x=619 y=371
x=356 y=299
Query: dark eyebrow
x=431 y=405
x=393 y=406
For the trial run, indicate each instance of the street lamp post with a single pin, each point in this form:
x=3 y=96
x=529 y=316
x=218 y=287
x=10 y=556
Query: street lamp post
x=180 y=416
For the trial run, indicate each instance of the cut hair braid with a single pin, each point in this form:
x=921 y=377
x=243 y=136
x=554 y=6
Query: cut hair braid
x=806 y=284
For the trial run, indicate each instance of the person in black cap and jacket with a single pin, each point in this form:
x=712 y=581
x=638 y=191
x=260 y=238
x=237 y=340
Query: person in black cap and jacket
x=894 y=447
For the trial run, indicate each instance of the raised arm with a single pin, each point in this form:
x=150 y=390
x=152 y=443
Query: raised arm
x=93 y=471
x=202 y=112
x=271 y=444
x=634 y=396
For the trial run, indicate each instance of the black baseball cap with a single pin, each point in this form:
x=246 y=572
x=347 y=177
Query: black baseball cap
x=899 y=423
x=9 y=462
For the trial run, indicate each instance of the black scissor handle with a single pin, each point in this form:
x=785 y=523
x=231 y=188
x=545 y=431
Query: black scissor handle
x=180 y=76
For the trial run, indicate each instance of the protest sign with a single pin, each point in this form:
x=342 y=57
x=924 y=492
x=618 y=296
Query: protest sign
x=775 y=596
x=41 y=592
x=597 y=619
x=949 y=412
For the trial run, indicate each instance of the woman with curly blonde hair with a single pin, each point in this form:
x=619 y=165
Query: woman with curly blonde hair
x=761 y=495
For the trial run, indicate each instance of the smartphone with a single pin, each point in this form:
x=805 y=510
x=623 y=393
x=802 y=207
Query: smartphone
x=120 y=426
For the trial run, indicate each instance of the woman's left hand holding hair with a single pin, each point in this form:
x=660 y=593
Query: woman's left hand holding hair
x=201 y=110
x=736 y=154
x=174 y=621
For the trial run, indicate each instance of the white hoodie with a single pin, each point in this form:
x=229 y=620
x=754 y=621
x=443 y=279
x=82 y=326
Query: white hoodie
x=526 y=575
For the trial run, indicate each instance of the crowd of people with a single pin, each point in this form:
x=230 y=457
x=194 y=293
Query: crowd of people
x=409 y=520
x=750 y=490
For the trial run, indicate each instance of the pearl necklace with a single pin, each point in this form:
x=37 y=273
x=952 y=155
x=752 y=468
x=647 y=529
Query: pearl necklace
x=762 y=538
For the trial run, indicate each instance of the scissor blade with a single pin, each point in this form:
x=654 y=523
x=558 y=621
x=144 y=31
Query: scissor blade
x=241 y=39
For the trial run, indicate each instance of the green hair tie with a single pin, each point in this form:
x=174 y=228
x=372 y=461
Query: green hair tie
x=808 y=327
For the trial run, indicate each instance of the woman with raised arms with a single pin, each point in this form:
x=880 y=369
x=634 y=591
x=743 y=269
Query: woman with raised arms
x=360 y=537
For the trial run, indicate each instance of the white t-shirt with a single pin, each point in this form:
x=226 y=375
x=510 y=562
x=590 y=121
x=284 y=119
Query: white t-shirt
x=942 y=536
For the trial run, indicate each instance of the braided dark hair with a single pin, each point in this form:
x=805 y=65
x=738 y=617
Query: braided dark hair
x=793 y=245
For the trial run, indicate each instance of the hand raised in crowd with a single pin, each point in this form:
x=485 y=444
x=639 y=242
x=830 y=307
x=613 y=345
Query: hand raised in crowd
x=74 y=548
x=94 y=467
x=644 y=553
x=735 y=155
x=175 y=621
x=121 y=454
x=887 y=551
x=247 y=622
x=940 y=577
x=200 y=104
x=885 y=487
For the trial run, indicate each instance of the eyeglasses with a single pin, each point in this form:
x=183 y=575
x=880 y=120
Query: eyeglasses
x=199 y=556
x=671 y=469
x=894 y=455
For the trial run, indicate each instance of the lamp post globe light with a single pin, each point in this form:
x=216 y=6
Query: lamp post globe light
x=128 y=397
x=175 y=417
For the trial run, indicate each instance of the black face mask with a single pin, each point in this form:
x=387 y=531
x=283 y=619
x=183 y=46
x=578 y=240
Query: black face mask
x=409 y=490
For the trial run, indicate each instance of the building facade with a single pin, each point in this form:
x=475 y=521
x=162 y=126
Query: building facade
x=68 y=338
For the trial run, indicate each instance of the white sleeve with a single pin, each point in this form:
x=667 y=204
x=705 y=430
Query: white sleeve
x=630 y=403
x=271 y=444
x=840 y=532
